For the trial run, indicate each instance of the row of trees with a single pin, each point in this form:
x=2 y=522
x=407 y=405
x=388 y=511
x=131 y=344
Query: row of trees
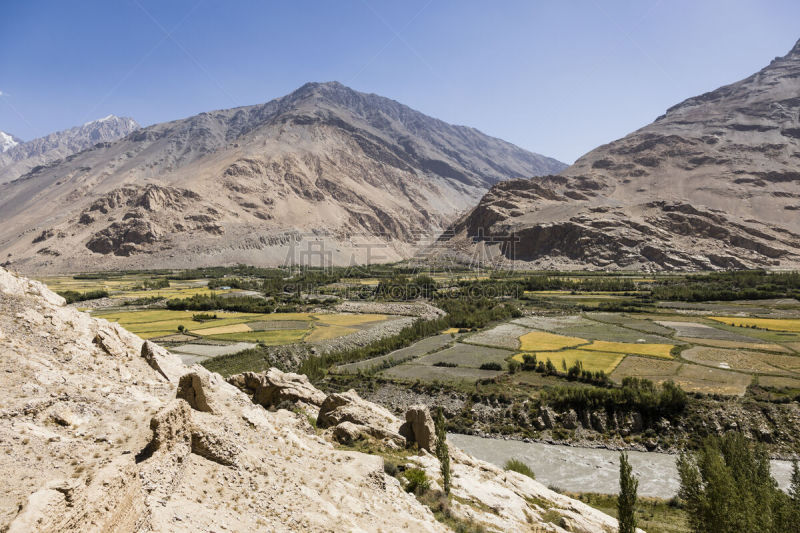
x=75 y=296
x=641 y=395
x=740 y=285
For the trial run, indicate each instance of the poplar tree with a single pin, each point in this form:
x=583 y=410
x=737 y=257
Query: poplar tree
x=626 y=501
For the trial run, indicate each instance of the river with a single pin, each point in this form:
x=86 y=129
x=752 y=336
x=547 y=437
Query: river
x=589 y=469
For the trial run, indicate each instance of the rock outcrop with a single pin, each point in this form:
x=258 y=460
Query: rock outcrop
x=371 y=419
x=273 y=387
x=107 y=442
x=419 y=428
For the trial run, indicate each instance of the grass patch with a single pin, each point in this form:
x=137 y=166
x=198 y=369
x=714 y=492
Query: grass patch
x=515 y=465
x=217 y=330
x=653 y=515
x=321 y=333
x=345 y=319
x=270 y=338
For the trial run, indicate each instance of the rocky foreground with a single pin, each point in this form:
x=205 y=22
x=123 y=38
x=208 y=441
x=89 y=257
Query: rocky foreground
x=102 y=431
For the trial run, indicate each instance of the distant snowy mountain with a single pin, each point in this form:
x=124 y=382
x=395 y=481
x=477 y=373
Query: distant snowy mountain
x=18 y=157
x=7 y=141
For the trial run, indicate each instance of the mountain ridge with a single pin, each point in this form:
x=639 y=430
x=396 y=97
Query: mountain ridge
x=323 y=163
x=22 y=157
x=711 y=184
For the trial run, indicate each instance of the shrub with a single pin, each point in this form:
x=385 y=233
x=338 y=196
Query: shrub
x=417 y=479
x=515 y=465
x=491 y=366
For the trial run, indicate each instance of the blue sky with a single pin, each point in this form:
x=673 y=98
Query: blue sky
x=556 y=77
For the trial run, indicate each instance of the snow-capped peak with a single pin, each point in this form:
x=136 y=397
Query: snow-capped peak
x=104 y=119
x=7 y=141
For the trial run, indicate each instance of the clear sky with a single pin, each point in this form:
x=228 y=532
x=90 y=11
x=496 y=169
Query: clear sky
x=557 y=77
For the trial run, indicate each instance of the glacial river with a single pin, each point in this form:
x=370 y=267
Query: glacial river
x=589 y=469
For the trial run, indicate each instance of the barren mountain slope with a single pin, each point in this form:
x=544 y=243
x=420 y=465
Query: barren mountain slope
x=323 y=163
x=713 y=183
x=102 y=432
x=21 y=157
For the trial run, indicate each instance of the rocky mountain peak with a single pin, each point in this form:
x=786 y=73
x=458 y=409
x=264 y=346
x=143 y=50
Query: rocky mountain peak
x=794 y=52
x=20 y=157
x=7 y=141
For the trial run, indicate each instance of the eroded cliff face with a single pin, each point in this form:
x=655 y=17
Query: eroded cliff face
x=104 y=432
x=711 y=184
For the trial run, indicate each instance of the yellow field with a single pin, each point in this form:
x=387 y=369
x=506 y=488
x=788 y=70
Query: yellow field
x=449 y=331
x=233 y=328
x=321 y=333
x=347 y=320
x=543 y=341
x=592 y=361
x=655 y=350
x=172 y=292
x=271 y=338
x=772 y=324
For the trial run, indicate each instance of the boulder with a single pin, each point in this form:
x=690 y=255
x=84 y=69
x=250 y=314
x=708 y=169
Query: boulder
x=273 y=387
x=108 y=338
x=570 y=419
x=419 y=428
x=548 y=417
x=350 y=407
x=347 y=433
x=599 y=421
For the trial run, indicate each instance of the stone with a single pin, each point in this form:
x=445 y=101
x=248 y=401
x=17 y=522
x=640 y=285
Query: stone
x=570 y=419
x=109 y=340
x=599 y=421
x=350 y=407
x=346 y=433
x=419 y=428
x=192 y=388
x=273 y=387
x=548 y=417
x=151 y=353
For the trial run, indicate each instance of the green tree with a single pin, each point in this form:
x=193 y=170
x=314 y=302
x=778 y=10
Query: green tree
x=727 y=487
x=626 y=501
x=442 y=451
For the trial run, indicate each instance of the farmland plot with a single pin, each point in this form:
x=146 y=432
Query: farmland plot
x=466 y=355
x=743 y=360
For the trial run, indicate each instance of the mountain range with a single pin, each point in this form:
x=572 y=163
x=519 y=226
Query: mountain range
x=325 y=171
x=714 y=183
x=18 y=157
